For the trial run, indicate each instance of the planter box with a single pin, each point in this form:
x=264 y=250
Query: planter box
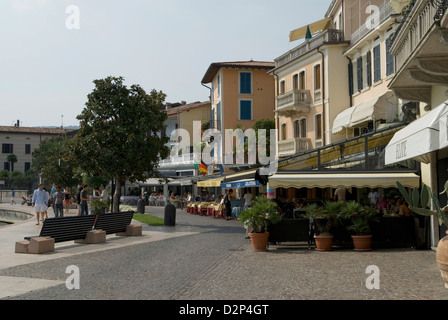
x=291 y=230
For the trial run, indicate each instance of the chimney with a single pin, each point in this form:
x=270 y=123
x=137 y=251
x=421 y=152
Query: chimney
x=17 y=124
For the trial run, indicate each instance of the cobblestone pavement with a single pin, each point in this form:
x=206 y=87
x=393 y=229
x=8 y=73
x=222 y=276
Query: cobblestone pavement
x=216 y=262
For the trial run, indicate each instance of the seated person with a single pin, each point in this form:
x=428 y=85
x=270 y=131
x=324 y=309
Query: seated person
x=392 y=206
x=381 y=206
x=403 y=209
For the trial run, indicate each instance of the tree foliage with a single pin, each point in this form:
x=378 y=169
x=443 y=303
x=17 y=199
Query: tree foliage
x=118 y=132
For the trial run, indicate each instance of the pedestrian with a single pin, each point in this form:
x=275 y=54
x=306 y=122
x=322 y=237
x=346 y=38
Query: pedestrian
x=228 y=204
x=248 y=199
x=105 y=197
x=58 y=202
x=340 y=194
x=373 y=197
x=78 y=199
x=40 y=201
x=84 y=200
x=13 y=194
x=48 y=204
x=67 y=198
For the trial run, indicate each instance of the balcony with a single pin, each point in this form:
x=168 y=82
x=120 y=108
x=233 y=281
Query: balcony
x=294 y=146
x=385 y=11
x=327 y=36
x=420 y=47
x=293 y=102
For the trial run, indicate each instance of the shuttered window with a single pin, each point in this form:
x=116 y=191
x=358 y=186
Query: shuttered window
x=377 y=63
x=245 y=83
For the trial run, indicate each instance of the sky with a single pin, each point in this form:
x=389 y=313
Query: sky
x=52 y=50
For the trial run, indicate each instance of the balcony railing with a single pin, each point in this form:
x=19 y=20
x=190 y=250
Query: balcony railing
x=419 y=19
x=327 y=36
x=183 y=159
x=294 y=146
x=295 y=100
x=385 y=11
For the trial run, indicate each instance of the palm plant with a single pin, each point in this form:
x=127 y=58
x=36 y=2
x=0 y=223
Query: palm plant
x=262 y=213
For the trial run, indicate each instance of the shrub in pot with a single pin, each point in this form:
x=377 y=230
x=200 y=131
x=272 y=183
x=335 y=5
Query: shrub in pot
x=323 y=219
x=257 y=220
x=358 y=219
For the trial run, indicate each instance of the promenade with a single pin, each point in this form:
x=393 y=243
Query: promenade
x=202 y=258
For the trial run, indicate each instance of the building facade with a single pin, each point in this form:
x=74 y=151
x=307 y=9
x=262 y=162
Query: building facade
x=241 y=93
x=21 y=142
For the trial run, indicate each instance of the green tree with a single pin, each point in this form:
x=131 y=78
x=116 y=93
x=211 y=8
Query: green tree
x=11 y=158
x=52 y=160
x=119 y=135
x=267 y=124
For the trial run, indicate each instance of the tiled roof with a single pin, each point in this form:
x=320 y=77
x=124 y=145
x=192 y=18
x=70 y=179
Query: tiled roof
x=214 y=67
x=184 y=107
x=34 y=130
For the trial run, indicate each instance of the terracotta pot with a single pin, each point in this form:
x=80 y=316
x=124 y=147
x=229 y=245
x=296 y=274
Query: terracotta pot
x=362 y=243
x=442 y=258
x=259 y=241
x=324 y=243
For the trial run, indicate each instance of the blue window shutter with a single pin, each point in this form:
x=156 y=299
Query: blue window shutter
x=359 y=73
x=369 y=68
x=245 y=82
x=245 y=110
x=377 y=63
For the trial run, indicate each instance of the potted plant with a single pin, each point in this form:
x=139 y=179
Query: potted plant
x=257 y=220
x=359 y=219
x=418 y=203
x=97 y=206
x=323 y=219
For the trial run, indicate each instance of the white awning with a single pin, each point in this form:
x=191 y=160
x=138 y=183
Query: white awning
x=345 y=180
x=443 y=128
x=417 y=139
x=343 y=120
x=370 y=110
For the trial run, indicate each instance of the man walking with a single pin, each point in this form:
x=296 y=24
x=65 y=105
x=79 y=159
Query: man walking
x=40 y=200
x=58 y=199
x=13 y=194
x=84 y=199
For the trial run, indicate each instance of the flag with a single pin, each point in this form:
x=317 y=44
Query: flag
x=221 y=169
x=308 y=33
x=203 y=169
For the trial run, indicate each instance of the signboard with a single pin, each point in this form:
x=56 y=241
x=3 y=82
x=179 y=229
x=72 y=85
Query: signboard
x=240 y=184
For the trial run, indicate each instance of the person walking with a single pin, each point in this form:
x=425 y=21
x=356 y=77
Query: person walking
x=248 y=200
x=104 y=197
x=228 y=204
x=84 y=200
x=67 y=198
x=58 y=199
x=78 y=199
x=13 y=194
x=40 y=201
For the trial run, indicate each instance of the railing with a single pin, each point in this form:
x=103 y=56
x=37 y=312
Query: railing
x=416 y=23
x=385 y=11
x=294 y=146
x=185 y=159
x=327 y=36
x=299 y=99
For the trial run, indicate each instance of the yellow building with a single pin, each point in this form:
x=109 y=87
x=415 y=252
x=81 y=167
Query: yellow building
x=241 y=94
x=310 y=90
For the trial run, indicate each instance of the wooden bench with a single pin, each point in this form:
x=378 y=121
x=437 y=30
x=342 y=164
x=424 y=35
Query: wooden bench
x=66 y=228
x=81 y=229
x=119 y=223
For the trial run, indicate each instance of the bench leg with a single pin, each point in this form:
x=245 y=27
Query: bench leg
x=41 y=245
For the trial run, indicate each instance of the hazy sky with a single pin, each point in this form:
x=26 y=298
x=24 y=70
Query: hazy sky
x=46 y=69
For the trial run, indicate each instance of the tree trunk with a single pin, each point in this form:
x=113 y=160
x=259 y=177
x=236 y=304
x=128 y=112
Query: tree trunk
x=117 y=195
